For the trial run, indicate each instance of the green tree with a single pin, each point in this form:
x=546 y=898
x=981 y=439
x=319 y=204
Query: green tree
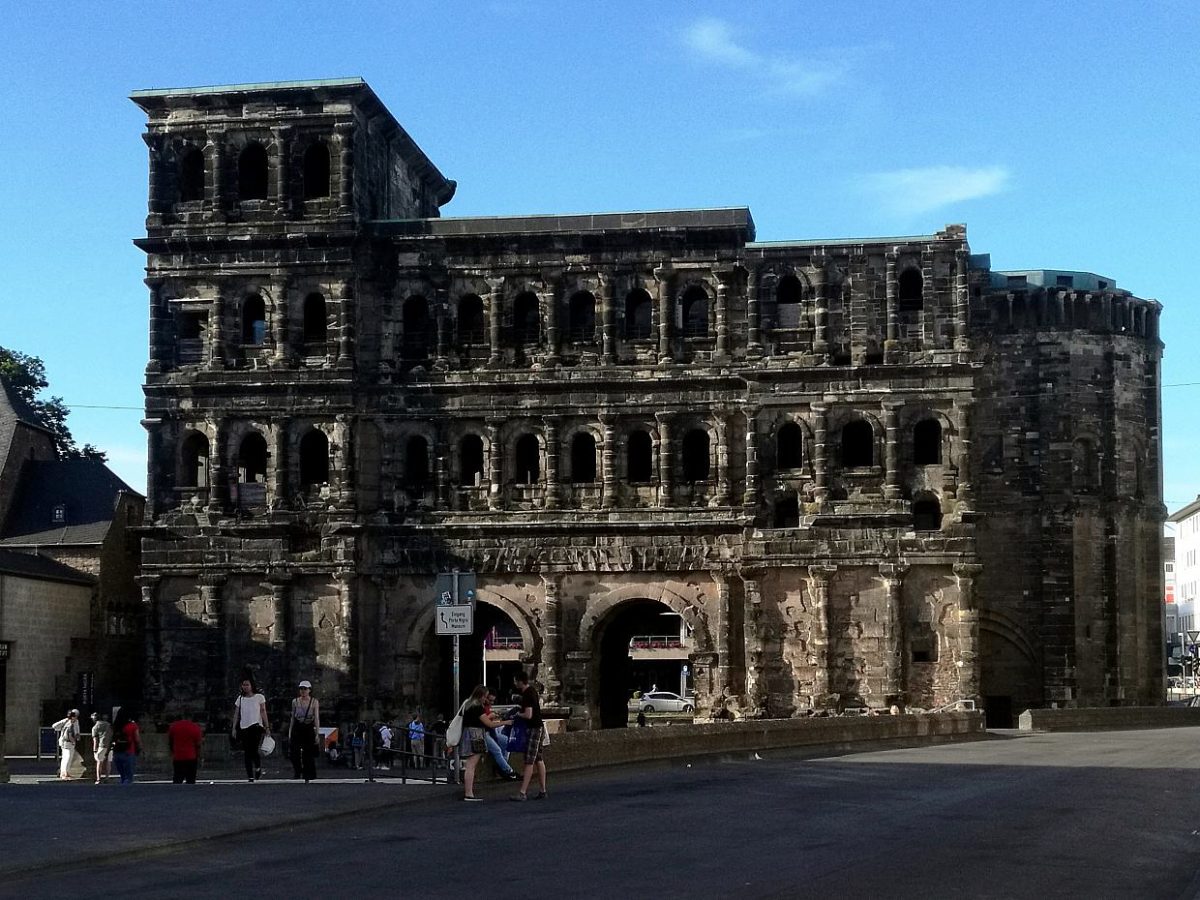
x=27 y=376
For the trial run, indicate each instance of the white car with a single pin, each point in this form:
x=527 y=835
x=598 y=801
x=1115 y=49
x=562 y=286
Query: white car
x=662 y=701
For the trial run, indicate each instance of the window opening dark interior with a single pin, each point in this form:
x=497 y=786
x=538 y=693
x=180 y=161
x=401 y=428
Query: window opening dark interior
x=316 y=322
x=525 y=319
x=470 y=461
x=528 y=463
x=416 y=326
x=858 y=445
x=694 y=311
x=787 y=302
x=195 y=461
x=927 y=443
x=641 y=458
x=581 y=318
x=254 y=320
x=789 y=447
x=191 y=176
x=786 y=513
x=314 y=458
x=416 y=461
x=583 y=459
x=927 y=514
x=910 y=290
x=316 y=171
x=191 y=337
x=252 y=173
x=638 y=308
x=695 y=455
x=922 y=642
x=471 y=325
x=252 y=459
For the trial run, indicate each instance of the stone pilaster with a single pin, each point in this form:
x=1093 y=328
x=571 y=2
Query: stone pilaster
x=495 y=455
x=549 y=302
x=550 y=670
x=346 y=316
x=158 y=351
x=724 y=671
x=278 y=474
x=343 y=453
x=893 y=631
x=666 y=324
x=343 y=144
x=821 y=303
x=442 y=313
x=820 y=413
x=279 y=187
x=893 y=318
x=723 y=491
x=753 y=315
x=156 y=203
x=215 y=616
x=818 y=588
x=218 y=489
x=891 y=451
x=550 y=431
x=216 y=333
x=962 y=300
x=214 y=161
x=750 y=494
x=755 y=701
x=608 y=320
x=495 y=318
x=608 y=461
x=156 y=489
x=348 y=643
x=962 y=461
x=666 y=475
x=152 y=643
x=721 y=347
x=968 y=631
x=280 y=322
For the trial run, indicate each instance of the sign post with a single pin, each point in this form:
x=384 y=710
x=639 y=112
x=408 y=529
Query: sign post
x=455 y=615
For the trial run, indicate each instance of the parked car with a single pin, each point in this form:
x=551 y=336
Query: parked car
x=662 y=701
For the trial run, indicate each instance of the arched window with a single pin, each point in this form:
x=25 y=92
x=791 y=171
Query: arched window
x=583 y=458
x=252 y=459
x=789 y=447
x=787 y=302
x=252 y=173
x=527 y=469
x=927 y=443
x=314 y=458
x=316 y=322
x=910 y=290
x=194 y=461
x=254 y=320
x=786 y=513
x=471 y=325
x=858 y=444
x=526 y=327
x=315 y=170
x=581 y=318
x=638 y=307
x=695 y=455
x=416 y=326
x=1083 y=466
x=694 y=311
x=470 y=461
x=416 y=461
x=191 y=175
x=927 y=514
x=640 y=464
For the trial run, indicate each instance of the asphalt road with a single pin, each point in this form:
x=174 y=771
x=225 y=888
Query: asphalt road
x=1071 y=815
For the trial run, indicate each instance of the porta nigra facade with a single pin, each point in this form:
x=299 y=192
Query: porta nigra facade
x=860 y=470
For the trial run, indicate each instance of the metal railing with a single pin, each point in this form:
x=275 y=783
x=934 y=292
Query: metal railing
x=405 y=761
x=966 y=705
x=656 y=642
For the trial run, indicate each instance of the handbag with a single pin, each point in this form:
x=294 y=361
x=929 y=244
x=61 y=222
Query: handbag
x=455 y=729
x=518 y=736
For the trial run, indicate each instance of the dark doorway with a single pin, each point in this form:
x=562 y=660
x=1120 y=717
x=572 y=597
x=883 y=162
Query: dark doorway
x=252 y=173
x=641 y=458
x=998 y=711
x=191 y=176
x=619 y=675
x=494 y=628
x=583 y=459
x=316 y=325
x=638 y=307
x=316 y=171
x=314 y=459
x=858 y=445
x=470 y=461
x=927 y=443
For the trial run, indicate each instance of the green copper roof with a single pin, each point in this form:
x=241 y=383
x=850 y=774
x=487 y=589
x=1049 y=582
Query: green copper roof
x=246 y=88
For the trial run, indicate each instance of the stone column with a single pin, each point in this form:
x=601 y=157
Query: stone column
x=818 y=587
x=548 y=299
x=219 y=467
x=968 y=632
x=723 y=491
x=550 y=430
x=962 y=300
x=214 y=160
x=441 y=470
x=159 y=314
x=343 y=452
x=820 y=413
x=155 y=501
x=279 y=187
x=750 y=494
x=608 y=461
x=891 y=451
x=893 y=320
x=348 y=644
x=755 y=701
x=893 y=631
x=442 y=312
x=345 y=357
x=214 y=615
x=551 y=667
x=965 y=493
x=280 y=322
x=753 y=315
x=216 y=334
x=721 y=348
x=495 y=317
x=821 y=301
x=666 y=480
x=152 y=636
x=494 y=458
x=279 y=472
x=724 y=671
x=343 y=145
x=666 y=325
x=156 y=203
x=608 y=320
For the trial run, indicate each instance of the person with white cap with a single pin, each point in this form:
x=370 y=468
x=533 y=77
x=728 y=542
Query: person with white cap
x=304 y=733
x=68 y=737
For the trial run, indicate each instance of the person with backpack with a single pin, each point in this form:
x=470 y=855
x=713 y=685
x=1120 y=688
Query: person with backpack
x=68 y=739
x=127 y=744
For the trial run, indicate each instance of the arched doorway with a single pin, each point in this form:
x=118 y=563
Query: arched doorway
x=1010 y=676
x=491 y=655
x=641 y=645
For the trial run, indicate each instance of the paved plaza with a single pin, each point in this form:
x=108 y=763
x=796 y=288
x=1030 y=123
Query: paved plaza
x=1067 y=815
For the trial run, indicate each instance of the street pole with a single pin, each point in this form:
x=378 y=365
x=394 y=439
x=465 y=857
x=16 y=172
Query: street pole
x=454 y=575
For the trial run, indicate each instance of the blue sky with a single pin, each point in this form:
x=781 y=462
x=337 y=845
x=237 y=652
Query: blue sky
x=1063 y=134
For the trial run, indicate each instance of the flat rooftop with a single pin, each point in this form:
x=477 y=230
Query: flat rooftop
x=250 y=87
x=723 y=217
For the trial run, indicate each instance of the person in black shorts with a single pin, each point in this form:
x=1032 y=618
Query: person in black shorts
x=530 y=709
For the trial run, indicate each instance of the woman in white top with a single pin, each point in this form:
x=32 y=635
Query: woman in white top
x=250 y=724
x=68 y=738
x=304 y=733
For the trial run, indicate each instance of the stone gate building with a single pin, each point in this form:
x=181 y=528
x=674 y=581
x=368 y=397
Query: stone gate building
x=858 y=469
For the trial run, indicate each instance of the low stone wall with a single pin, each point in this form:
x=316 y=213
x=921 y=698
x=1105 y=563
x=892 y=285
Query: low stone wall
x=617 y=746
x=1109 y=717
x=3 y=762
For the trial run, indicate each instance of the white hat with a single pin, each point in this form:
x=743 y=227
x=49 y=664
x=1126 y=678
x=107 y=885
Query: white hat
x=306 y=683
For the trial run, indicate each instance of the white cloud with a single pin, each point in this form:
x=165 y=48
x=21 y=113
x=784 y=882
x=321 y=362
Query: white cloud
x=930 y=188
x=714 y=40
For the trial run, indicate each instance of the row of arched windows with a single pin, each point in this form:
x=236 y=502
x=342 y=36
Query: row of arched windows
x=857 y=445
x=789 y=295
x=250 y=461
x=314 y=319
x=253 y=173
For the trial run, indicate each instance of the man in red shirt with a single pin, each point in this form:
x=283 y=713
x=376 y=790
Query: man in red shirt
x=184 y=737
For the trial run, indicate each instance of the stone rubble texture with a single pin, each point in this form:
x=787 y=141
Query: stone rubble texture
x=779 y=481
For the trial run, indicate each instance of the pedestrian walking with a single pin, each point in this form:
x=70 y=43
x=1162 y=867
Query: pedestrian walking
x=102 y=737
x=472 y=746
x=185 y=740
x=358 y=743
x=68 y=740
x=127 y=744
x=304 y=732
x=530 y=709
x=250 y=725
